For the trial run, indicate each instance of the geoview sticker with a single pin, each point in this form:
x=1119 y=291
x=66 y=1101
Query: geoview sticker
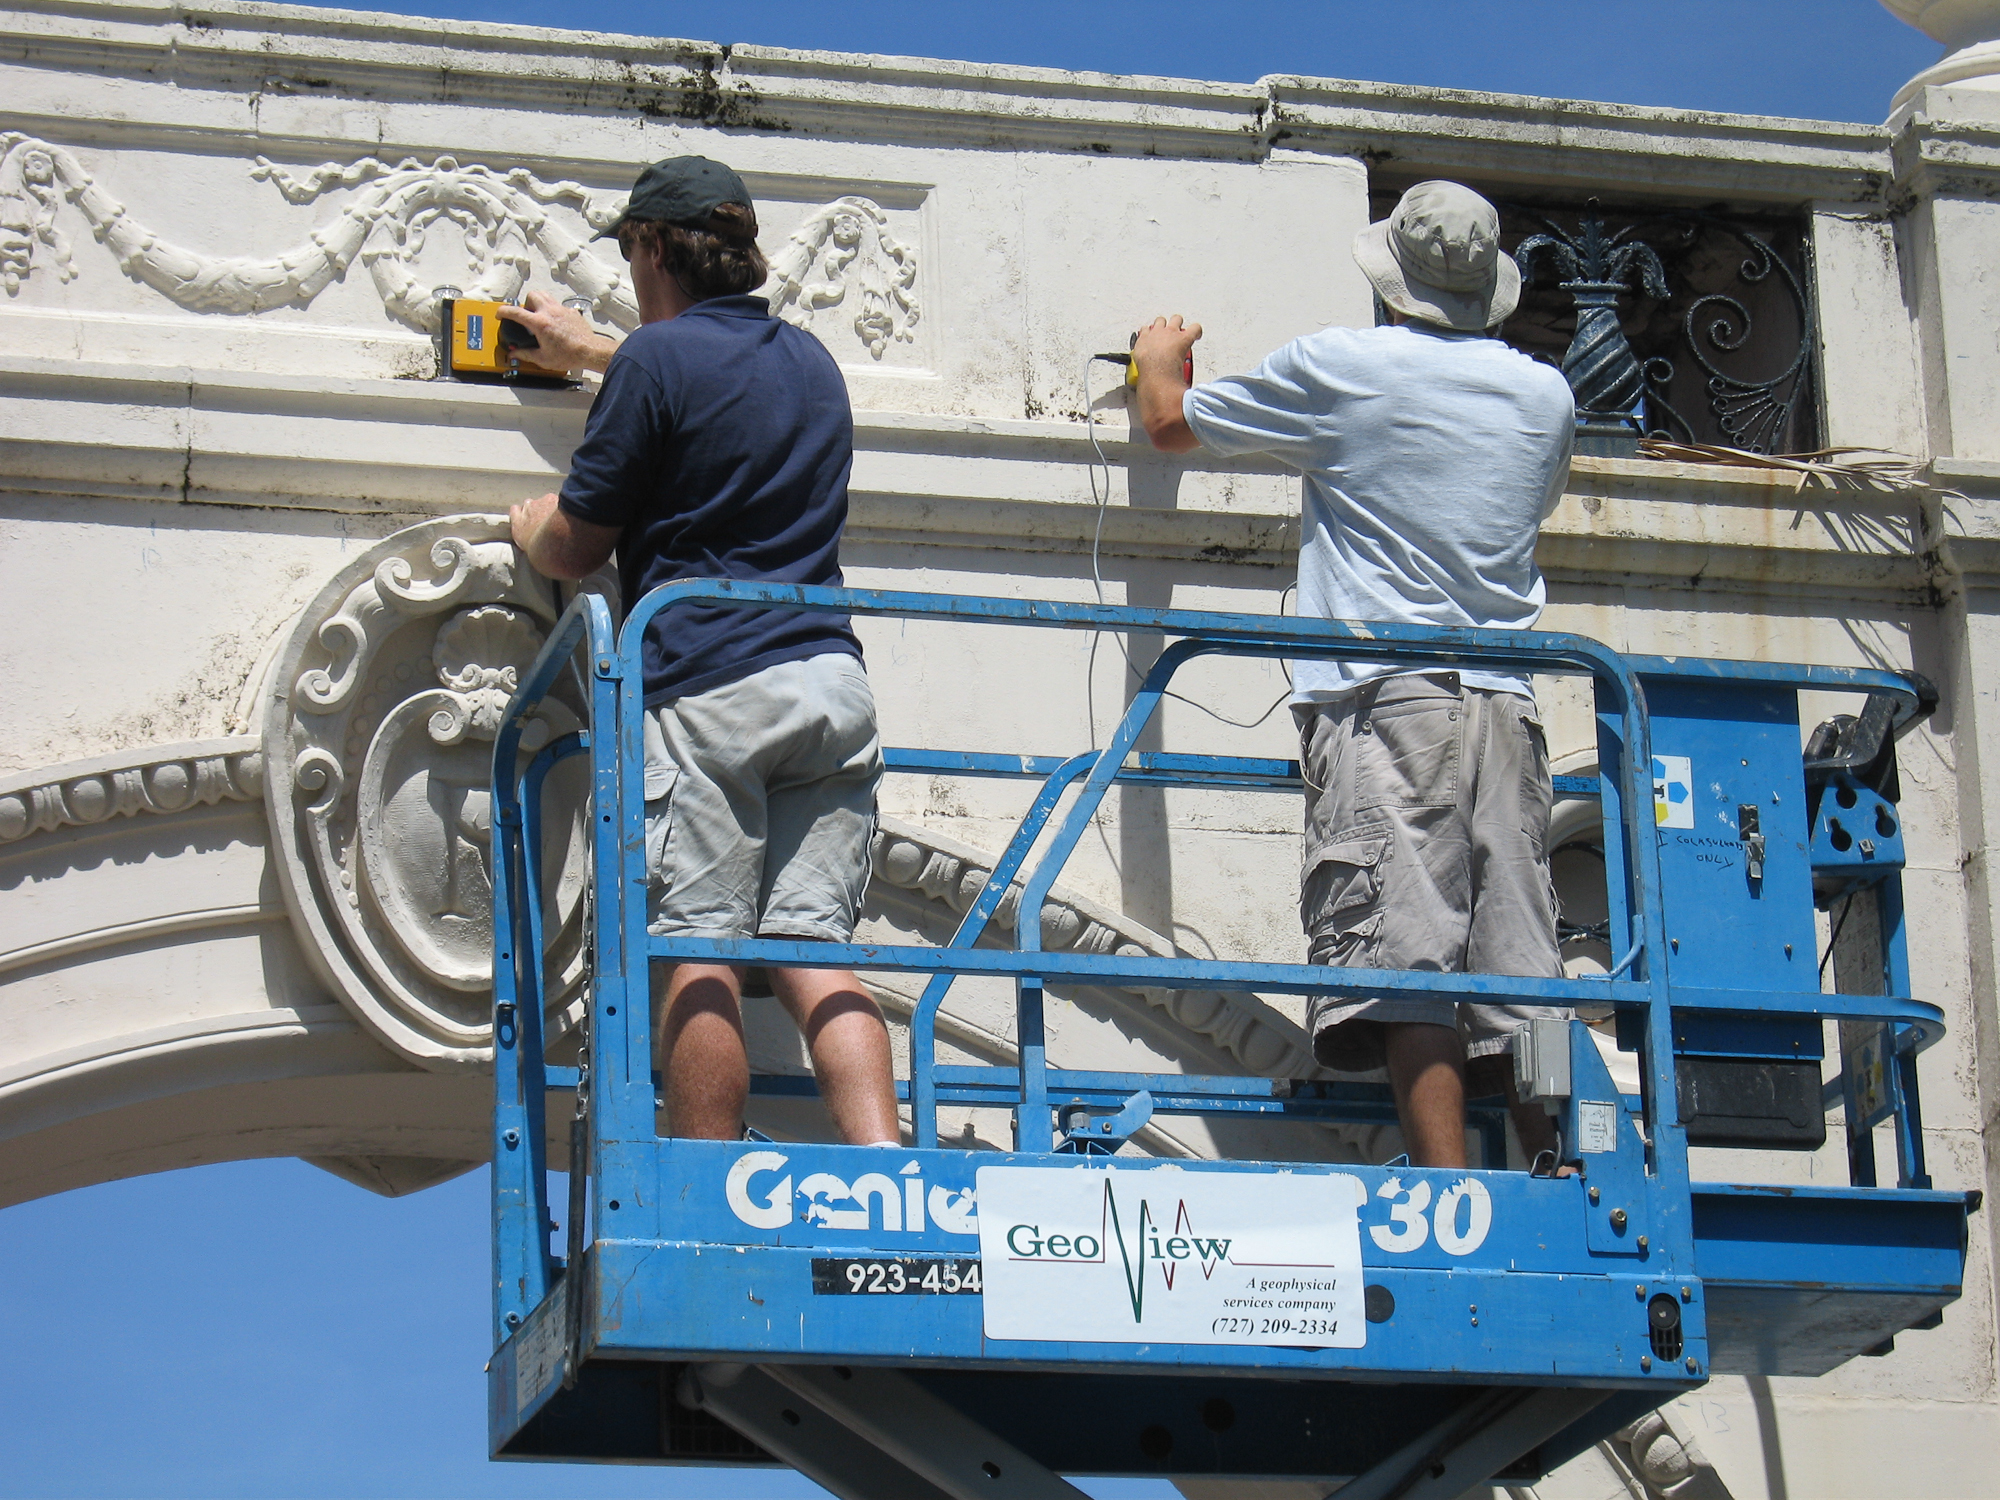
x=1163 y=1255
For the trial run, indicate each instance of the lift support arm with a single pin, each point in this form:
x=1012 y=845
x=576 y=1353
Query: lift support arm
x=869 y=1434
x=1474 y=1443
x=800 y=1434
x=872 y=1434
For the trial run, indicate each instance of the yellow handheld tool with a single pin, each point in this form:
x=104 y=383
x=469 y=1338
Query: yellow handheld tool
x=485 y=346
x=1132 y=366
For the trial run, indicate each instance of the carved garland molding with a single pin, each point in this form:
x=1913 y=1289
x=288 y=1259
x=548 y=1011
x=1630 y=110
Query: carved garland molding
x=947 y=871
x=842 y=248
x=156 y=779
x=841 y=256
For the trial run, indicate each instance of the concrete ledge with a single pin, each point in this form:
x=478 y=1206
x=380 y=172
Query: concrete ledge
x=277 y=73
x=360 y=446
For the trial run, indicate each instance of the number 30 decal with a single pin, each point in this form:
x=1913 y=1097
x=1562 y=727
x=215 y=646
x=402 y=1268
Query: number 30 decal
x=1408 y=1216
x=1465 y=1200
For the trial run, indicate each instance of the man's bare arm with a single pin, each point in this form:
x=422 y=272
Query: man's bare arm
x=558 y=544
x=567 y=341
x=1158 y=356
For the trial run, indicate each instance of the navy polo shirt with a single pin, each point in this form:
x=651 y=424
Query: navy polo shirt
x=720 y=446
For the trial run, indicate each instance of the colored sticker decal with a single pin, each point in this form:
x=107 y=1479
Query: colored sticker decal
x=1163 y=1255
x=475 y=330
x=1864 y=1050
x=1673 y=791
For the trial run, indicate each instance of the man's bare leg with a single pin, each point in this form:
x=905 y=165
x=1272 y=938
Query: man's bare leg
x=1532 y=1125
x=701 y=1052
x=1427 y=1071
x=849 y=1043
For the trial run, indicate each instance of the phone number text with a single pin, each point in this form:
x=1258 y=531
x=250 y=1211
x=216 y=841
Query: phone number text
x=898 y=1276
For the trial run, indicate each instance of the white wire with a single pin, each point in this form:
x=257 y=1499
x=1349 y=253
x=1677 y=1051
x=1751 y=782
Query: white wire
x=1103 y=502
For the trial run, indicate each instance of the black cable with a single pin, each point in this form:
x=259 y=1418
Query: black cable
x=1833 y=940
x=1103 y=502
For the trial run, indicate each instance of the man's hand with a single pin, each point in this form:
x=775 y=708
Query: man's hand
x=559 y=545
x=568 y=342
x=1159 y=356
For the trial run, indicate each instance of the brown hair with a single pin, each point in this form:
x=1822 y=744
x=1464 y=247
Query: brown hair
x=718 y=260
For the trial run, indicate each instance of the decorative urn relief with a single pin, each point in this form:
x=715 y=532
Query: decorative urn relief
x=1969 y=29
x=1956 y=23
x=378 y=735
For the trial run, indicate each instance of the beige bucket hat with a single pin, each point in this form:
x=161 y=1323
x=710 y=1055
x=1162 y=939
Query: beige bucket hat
x=1437 y=258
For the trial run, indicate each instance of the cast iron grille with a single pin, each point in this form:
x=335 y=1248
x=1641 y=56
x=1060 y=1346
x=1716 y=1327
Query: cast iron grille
x=1692 y=327
x=1695 y=326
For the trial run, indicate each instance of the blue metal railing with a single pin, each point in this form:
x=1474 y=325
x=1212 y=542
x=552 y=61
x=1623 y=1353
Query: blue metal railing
x=616 y=1077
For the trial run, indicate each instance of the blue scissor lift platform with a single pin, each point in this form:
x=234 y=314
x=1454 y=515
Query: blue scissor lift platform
x=933 y=1322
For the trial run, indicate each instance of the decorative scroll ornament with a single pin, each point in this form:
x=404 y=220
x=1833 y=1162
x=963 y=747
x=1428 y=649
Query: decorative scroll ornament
x=500 y=216
x=508 y=222
x=1666 y=1465
x=1754 y=413
x=378 y=741
x=843 y=256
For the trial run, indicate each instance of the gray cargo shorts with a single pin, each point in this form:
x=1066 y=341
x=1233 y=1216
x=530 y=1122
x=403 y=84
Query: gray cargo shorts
x=760 y=804
x=1427 y=821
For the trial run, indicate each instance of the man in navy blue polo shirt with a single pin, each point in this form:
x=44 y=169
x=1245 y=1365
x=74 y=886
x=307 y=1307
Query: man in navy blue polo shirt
x=719 y=447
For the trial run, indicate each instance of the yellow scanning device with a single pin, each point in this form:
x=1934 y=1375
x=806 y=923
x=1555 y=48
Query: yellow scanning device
x=1132 y=366
x=485 y=346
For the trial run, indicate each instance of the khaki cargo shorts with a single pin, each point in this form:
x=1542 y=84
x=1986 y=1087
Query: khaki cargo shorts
x=760 y=804
x=1427 y=820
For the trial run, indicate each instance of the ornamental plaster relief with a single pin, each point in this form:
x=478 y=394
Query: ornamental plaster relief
x=158 y=940
x=913 y=865
x=160 y=779
x=1969 y=29
x=842 y=271
x=932 y=864
x=84 y=853
x=384 y=702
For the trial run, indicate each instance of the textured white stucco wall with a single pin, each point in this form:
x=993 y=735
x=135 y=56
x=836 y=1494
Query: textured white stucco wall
x=180 y=475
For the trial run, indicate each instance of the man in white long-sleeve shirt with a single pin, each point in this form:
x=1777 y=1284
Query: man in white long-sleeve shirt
x=1431 y=454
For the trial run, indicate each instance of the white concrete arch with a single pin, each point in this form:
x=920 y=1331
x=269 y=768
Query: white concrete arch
x=158 y=1009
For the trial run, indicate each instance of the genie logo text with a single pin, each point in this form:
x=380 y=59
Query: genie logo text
x=766 y=1192
x=1165 y=1255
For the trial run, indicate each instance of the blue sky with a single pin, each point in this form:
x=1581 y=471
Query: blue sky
x=1825 y=59
x=262 y=1329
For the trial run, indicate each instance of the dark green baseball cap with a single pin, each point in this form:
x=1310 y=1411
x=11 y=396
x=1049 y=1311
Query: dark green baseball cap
x=684 y=190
